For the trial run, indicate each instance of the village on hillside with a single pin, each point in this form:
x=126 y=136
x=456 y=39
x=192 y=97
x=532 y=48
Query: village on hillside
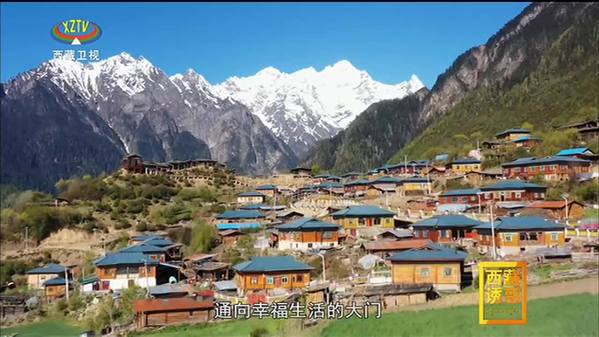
x=168 y=244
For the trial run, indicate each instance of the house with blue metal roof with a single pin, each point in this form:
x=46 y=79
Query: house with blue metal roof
x=415 y=186
x=465 y=165
x=236 y=215
x=301 y=172
x=37 y=276
x=56 y=287
x=359 y=218
x=527 y=141
x=269 y=190
x=435 y=264
x=331 y=187
x=239 y=219
x=251 y=197
x=511 y=134
x=117 y=271
x=445 y=228
x=454 y=201
x=512 y=191
x=514 y=235
x=266 y=273
x=580 y=153
x=305 y=234
x=351 y=175
x=551 y=168
x=163 y=254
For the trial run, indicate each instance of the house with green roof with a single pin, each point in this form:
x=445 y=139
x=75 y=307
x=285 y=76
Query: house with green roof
x=250 y=197
x=358 y=218
x=445 y=228
x=434 y=264
x=553 y=168
x=512 y=190
x=514 y=235
x=305 y=234
x=265 y=273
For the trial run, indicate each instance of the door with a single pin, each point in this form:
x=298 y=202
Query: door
x=277 y=281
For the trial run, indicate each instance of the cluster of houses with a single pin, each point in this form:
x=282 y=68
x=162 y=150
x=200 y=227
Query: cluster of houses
x=134 y=163
x=418 y=256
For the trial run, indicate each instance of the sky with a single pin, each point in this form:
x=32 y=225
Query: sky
x=391 y=41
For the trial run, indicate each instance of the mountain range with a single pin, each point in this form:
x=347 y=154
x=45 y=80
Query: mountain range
x=541 y=67
x=95 y=113
x=309 y=105
x=66 y=118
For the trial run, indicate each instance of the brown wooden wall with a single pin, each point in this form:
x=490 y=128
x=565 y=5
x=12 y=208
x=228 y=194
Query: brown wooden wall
x=244 y=281
x=411 y=273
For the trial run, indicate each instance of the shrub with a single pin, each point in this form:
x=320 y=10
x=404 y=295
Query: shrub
x=259 y=332
x=203 y=237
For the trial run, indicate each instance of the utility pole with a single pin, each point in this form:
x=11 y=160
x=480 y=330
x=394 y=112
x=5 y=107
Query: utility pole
x=493 y=231
x=26 y=238
x=66 y=279
x=428 y=179
x=565 y=197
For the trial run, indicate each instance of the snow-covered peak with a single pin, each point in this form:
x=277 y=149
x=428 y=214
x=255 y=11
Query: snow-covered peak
x=415 y=83
x=308 y=105
x=269 y=71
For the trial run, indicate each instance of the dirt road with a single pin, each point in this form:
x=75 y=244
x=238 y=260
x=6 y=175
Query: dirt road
x=587 y=285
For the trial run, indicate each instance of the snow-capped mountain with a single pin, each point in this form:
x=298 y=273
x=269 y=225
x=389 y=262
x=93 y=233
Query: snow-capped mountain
x=125 y=105
x=308 y=105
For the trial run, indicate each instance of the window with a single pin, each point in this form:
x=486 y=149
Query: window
x=518 y=195
x=327 y=235
x=554 y=236
x=507 y=237
x=269 y=280
x=254 y=280
x=454 y=199
x=299 y=278
x=425 y=233
x=377 y=221
x=536 y=195
x=309 y=245
x=284 y=279
x=447 y=271
x=533 y=236
x=425 y=272
x=362 y=221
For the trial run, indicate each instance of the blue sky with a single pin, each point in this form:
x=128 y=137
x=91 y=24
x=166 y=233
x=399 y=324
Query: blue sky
x=389 y=40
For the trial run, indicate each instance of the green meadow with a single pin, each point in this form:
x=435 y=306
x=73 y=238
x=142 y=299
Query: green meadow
x=570 y=316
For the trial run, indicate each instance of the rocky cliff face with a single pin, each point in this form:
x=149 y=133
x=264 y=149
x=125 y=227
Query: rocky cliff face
x=505 y=60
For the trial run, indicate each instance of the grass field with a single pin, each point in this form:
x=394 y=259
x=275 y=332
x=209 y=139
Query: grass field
x=230 y=329
x=574 y=315
x=46 y=328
